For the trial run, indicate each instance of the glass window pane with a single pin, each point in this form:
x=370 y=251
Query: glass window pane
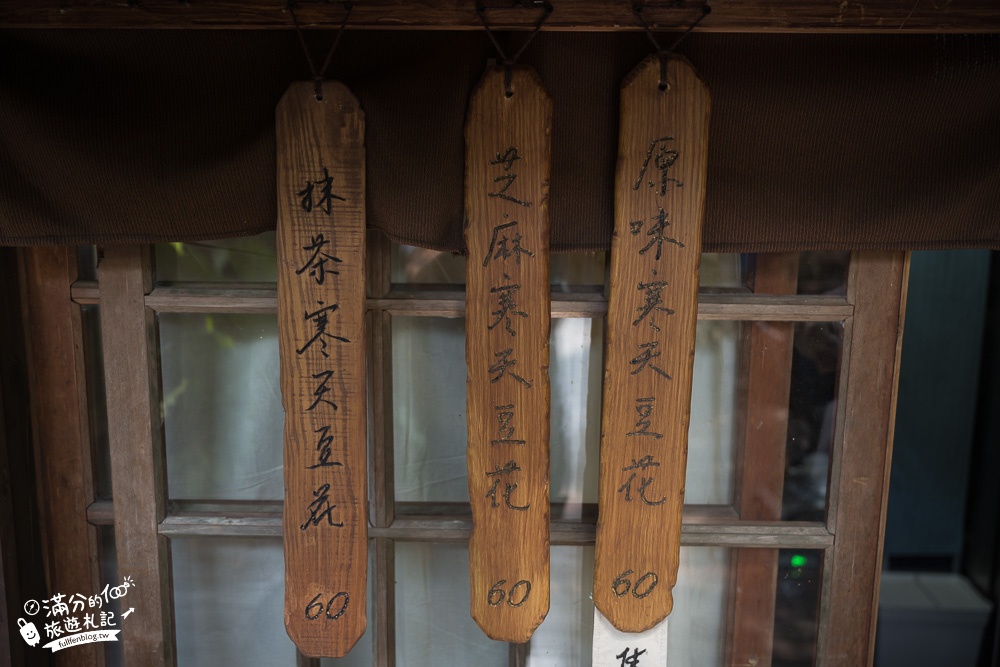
x=575 y=356
x=698 y=622
x=229 y=604
x=721 y=270
x=428 y=408
x=796 y=608
x=86 y=262
x=97 y=408
x=433 y=625
x=429 y=394
x=248 y=259
x=712 y=433
x=221 y=406
x=811 y=416
x=577 y=268
x=565 y=637
x=429 y=376
x=411 y=264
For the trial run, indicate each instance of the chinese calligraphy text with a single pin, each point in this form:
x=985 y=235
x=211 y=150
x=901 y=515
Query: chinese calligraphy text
x=507 y=333
x=321 y=336
x=648 y=363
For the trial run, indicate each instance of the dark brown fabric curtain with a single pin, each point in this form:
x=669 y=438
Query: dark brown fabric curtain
x=817 y=141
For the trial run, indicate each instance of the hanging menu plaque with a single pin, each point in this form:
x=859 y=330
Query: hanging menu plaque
x=321 y=305
x=507 y=350
x=652 y=312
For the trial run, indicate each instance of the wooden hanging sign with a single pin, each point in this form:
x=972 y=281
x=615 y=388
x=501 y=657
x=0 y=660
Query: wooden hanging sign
x=507 y=164
x=321 y=307
x=649 y=357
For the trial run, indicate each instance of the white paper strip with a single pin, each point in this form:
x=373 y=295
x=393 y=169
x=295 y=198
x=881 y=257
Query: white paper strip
x=628 y=649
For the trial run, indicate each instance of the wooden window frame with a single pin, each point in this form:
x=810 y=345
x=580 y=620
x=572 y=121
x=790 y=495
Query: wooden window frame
x=850 y=537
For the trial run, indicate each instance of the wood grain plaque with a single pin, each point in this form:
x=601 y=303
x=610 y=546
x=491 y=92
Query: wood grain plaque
x=321 y=307
x=507 y=165
x=652 y=312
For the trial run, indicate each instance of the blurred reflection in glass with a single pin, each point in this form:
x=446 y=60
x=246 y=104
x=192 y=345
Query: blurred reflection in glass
x=811 y=415
x=229 y=604
x=249 y=259
x=221 y=406
x=433 y=624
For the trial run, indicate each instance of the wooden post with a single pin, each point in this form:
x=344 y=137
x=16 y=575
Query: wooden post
x=135 y=433
x=507 y=163
x=650 y=340
x=322 y=341
x=380 y=443
x=59 y=423
x=859 y=480
x=767 y=371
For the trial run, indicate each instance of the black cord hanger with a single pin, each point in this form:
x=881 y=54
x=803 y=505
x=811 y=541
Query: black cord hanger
x=664 y=54
x=317 y=75
x=509 y=62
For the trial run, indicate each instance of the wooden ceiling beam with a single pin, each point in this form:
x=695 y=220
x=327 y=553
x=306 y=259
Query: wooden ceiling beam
x=837 y=16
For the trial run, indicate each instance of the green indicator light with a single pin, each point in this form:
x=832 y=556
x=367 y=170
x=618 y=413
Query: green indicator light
x=798 y=560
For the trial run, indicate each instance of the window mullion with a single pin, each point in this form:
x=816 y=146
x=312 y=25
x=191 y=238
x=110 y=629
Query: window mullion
x=305 y=661
x=380 y=456
x=517 y=654
x=135 y=432
x=859 y=484
x=766 y=369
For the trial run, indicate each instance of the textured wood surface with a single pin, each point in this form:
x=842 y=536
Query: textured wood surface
x=507 y=351
x=21 y=556
x=380 y=452
x=766 y=374
x=649 y=358
x=135 y=434
x=421 y=301
x=61 y=429
x=321 y=332
x=888 y=16
x=704 y=525
x=859 y=480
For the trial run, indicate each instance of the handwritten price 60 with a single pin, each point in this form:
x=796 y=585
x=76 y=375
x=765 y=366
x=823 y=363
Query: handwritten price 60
x=644 y=585
x=497 y=595
x=315 y=608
